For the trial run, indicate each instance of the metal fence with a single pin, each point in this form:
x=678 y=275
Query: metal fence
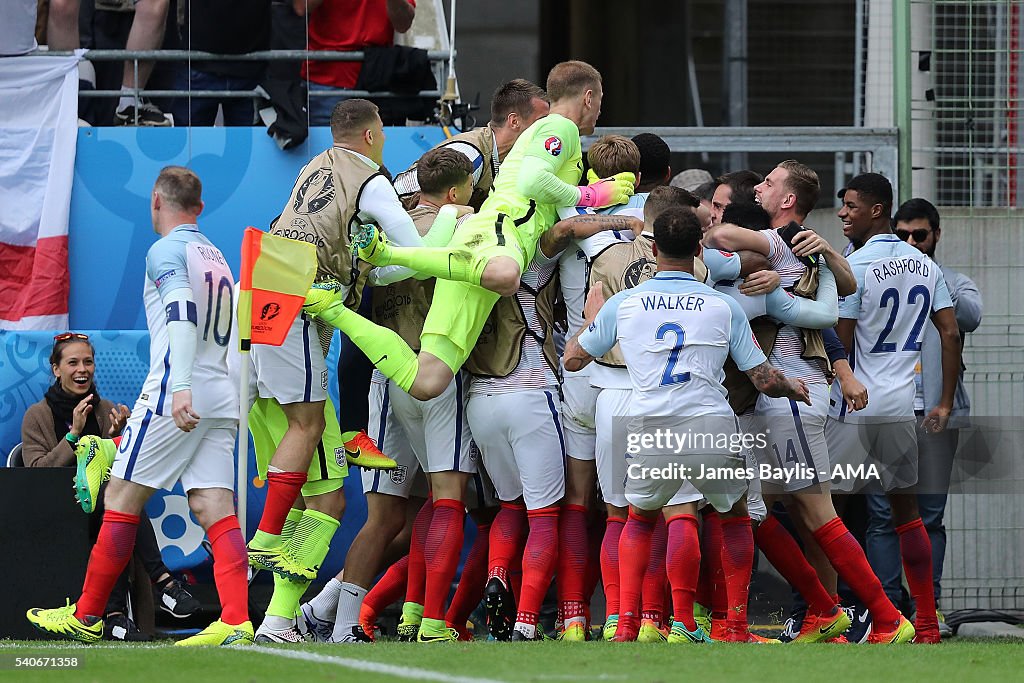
x=437 y=59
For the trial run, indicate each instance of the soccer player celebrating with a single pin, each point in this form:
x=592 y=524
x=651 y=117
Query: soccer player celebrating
x=491 y=250
x=788 y=194
x=675 y=335
x=339 y=189
x=515 y=106
x=177 y=436
x=898 y=288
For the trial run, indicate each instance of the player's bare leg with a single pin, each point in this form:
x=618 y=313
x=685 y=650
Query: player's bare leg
x=501 y=275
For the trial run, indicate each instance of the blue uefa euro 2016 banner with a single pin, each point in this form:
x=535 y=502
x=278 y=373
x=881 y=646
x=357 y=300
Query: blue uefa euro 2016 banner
x=246 y=181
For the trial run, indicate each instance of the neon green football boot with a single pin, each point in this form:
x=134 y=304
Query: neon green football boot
x=62 y=622
x=94 y=457
x=219 y=633
x=610 y=624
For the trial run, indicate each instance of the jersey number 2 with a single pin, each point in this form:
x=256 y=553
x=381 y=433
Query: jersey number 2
x=892 y=296
x=668 y=377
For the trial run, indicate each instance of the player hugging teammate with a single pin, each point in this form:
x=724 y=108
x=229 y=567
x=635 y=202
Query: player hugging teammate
x=729 y=335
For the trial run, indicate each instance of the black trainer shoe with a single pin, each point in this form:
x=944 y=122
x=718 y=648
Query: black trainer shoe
x=148 y=115
x=791 y=629
x=358 y=635
x=120 y=627
x=175 y=600
x=860 y=624
x=500 y=606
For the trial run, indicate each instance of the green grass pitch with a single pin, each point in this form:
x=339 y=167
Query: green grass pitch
x=957 y=661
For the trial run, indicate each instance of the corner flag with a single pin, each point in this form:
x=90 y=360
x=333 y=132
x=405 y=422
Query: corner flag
x=276 y=273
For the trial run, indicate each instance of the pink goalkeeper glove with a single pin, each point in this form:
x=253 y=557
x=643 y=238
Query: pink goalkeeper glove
x=608 y=191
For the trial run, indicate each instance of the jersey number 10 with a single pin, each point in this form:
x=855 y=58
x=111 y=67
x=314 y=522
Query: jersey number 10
x=213 y=319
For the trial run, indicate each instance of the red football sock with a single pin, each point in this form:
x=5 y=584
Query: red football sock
x=230 y=569
x=781 y=549
x=711 y=552
x=107 y=560
x=682 y=563
x=471 y=583
x=652 y=592
x=737 y=563
x=443 y=548
x=849 y=561
x=572 y=559
x=508 y=534
x=282 y=490
x=634 y=551
x=539 y=559
x=390 y=589
x=416 y=582
x=916 y=549
x=610 y=564
x=595 y=538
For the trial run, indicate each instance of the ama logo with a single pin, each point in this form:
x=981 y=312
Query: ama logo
x=270 y=311
x=553 y=145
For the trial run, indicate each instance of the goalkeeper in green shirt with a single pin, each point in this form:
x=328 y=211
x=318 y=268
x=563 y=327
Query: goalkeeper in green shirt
x=489 y=251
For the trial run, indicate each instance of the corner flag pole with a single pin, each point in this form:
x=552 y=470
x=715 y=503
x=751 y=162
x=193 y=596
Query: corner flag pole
x=274 y=276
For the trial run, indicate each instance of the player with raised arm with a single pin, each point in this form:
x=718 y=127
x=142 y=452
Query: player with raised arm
x=337 y=191
x=675 y=335
x=173 y=434
x=491 y=250
x=515 y=106
x=898 y=289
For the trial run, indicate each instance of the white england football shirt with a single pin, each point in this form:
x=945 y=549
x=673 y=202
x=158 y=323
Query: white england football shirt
x=185 y=258
x=675 y=334
x=898 y=288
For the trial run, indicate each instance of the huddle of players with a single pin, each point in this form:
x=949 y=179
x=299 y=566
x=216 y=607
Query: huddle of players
x=487 y=366
x=477 y=355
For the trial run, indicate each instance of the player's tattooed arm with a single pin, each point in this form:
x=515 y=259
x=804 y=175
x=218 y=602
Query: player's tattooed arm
x=562 y=233
x=575 y=357
x=770 y=382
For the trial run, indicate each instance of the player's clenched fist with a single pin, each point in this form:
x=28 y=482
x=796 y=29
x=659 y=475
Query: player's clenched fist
x=185 y=418
x=608 y=191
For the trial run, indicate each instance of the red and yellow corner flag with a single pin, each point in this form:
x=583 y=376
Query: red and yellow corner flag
x=276 y=274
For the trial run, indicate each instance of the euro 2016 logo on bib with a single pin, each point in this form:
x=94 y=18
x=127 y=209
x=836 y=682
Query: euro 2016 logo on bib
x=553 y=145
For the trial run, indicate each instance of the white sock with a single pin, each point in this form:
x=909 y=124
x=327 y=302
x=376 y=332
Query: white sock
x=277 y=623
x=127 y=98
x=350 y=601
x=528 y=630
x=325 y=604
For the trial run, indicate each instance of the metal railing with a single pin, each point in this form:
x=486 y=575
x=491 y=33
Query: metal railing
x=437 y=59
x=879 y=144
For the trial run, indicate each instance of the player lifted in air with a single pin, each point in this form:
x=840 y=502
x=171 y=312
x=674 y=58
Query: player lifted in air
x=173 y=434
x=489 y=252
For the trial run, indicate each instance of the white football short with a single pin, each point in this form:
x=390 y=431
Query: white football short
x=153 y=452
x=579 y=408
x=520 y=436
x=756 y=507
x=795 y=439
x=294 y=372
x=438 y=429
x=407 y=479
